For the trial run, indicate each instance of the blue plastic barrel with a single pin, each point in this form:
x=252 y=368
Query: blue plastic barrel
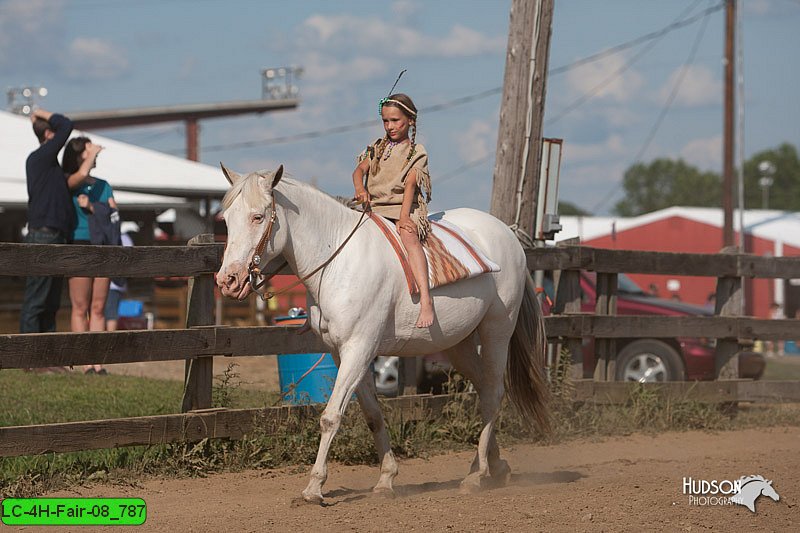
x=317 y=386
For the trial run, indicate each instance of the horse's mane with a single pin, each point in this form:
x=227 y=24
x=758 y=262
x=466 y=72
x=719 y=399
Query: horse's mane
x=248 y=187
x=745 y=480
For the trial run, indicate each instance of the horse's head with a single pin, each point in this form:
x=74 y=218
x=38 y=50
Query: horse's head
x=253 y=240
x=769 y=491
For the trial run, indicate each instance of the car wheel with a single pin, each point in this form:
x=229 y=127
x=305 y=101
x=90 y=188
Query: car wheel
x=387 y=374
x=649 y=361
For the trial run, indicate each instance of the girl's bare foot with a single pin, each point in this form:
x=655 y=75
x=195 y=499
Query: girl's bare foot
x=426 y=316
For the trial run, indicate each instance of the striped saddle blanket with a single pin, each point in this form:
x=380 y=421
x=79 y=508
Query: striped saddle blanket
x=451 y=256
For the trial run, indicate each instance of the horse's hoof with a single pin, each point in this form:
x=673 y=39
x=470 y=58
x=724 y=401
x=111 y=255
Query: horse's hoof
x=307 y=498
x=501 y=473
x=386 y=492
x=473 y=483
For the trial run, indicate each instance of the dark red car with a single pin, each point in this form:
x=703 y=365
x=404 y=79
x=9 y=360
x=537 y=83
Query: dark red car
x=663 y=359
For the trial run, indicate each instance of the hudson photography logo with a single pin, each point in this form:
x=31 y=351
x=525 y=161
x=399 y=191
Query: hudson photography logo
x=743 y=491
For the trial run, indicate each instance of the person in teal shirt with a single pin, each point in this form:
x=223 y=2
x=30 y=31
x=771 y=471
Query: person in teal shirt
x=88 y=295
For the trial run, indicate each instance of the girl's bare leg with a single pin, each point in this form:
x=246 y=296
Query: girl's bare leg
x=419 y=265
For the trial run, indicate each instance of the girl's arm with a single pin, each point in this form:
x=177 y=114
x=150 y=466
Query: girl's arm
x=409 y=193
x=78 y=177
x=362 y=196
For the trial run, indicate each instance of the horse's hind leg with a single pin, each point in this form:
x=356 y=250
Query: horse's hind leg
x=464 y=357
x=495 y=333
x=368 y=399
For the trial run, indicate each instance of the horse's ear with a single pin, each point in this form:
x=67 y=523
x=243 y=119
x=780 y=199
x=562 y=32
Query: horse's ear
x=278 y=176
x=230 y=175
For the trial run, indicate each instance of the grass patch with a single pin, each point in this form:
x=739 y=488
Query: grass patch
x=34 y=398
x=782 y=368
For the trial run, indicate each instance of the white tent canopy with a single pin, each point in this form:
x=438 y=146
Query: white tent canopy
x=126 y=167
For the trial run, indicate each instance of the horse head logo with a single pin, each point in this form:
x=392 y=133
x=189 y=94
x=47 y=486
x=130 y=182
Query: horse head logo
x=751 y=488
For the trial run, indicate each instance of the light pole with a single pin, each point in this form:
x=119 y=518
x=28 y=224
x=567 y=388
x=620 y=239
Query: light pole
x=22 y=100
x=767 y=170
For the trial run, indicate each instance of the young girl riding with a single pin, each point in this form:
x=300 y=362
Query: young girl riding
x=399 y=186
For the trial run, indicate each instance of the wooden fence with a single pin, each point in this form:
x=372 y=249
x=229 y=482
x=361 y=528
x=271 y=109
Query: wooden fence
x=201 y=341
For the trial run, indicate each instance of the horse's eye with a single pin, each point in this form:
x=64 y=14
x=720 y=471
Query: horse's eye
x=258 y=217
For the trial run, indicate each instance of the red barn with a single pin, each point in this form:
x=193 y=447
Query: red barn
x=699 y=230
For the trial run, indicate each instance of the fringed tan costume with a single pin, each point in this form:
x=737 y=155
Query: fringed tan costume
x=387 y=185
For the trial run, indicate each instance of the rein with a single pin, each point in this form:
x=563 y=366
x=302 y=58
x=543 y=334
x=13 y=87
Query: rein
x=254 y=272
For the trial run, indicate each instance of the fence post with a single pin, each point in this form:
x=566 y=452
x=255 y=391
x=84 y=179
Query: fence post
x=199 y=374
x=568 y=302
x=605 y=349
x=728 y=302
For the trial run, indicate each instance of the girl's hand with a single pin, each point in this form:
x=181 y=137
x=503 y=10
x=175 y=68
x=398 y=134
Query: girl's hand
x=362 y=196
x=93 y=149
x=406 y=224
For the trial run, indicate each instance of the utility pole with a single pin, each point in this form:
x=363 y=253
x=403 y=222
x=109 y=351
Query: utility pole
x=519 y=141
x=728 y=124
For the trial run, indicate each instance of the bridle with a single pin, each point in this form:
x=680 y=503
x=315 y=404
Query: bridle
x=254 y=267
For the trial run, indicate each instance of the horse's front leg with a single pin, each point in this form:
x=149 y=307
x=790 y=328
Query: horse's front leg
x=355 y=359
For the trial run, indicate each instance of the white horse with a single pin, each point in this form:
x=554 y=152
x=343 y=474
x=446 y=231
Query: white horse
x=359 y=304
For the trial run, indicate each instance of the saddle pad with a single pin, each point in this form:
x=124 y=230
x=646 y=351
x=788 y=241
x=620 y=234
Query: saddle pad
x=451 y=256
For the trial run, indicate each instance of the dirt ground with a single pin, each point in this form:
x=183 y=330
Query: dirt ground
x=629 y=483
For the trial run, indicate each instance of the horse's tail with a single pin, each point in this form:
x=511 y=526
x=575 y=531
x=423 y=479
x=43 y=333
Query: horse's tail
x=525 y=378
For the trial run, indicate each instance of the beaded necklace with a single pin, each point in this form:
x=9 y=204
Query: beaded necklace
x=388 y=151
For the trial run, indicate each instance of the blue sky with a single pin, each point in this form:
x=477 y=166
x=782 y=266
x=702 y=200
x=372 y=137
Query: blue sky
x=102 y=54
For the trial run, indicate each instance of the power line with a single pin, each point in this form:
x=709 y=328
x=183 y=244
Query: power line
x=614 y=75
x=469 y=98
x=441 y=178
x=639 y=40
x=664 y=110
x=349 y=127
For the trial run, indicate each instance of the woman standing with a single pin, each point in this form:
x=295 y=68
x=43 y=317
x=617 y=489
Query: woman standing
x=87 y=295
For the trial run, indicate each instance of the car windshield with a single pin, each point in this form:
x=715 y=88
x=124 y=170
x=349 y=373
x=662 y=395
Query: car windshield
x=624 y=283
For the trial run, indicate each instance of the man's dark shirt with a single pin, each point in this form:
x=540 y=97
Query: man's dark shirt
x=49 y=200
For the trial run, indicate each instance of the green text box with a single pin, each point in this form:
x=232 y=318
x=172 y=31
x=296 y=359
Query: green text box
x=73 y=511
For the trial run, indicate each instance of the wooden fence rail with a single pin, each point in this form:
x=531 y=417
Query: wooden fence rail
x=65 y=349
x=685 y=264
x=238 y=423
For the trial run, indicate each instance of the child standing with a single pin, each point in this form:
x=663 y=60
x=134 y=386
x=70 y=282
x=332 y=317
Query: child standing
x=399 y=187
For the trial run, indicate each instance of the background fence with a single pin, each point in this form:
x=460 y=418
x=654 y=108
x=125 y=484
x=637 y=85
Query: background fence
x=200 y=341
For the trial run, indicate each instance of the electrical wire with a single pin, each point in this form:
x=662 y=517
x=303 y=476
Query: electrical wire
x=656 y=35
x=441 y=178
x=664 y=109
x=618 y=72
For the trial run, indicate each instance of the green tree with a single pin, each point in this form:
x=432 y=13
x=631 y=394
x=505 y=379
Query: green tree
x=784 y=193
x=665 y=183
x=570 y=209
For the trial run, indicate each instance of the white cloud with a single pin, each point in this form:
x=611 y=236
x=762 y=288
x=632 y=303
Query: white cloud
x=28 y=31
x=94 y=59
x=477 y=141
x=405 y=9
x=699 y=87
x=599 y=80
x=322 y=69
x=372 y=33
x=704 y=153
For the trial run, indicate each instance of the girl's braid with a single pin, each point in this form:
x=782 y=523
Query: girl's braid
x=379 y=149
x=413 y=141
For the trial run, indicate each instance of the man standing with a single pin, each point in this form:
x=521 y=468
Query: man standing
x=51 y=217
